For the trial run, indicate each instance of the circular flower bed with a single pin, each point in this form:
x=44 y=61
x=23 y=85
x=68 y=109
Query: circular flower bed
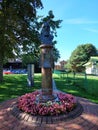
x=28 y=104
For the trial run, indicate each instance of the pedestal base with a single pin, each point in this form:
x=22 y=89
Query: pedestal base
x=45 y=98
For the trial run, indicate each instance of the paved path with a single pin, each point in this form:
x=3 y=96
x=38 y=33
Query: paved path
x=88 y=120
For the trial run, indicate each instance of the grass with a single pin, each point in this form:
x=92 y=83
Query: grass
x=16 y=85
x=79 y=86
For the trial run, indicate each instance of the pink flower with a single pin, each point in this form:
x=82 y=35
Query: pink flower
x=28 y=104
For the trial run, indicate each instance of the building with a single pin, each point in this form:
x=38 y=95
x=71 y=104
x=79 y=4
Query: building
x=16 y=65
x=91 y=67
x=60 y=65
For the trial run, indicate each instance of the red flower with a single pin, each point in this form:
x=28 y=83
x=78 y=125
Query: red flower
x=28 y=104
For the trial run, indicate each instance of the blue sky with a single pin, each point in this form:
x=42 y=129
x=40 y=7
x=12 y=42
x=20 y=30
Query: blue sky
x=79 y=26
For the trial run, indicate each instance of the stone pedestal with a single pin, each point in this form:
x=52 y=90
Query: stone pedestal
x=30 y=78
x=46 y=68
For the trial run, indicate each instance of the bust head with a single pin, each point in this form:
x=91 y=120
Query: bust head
x=46 y=36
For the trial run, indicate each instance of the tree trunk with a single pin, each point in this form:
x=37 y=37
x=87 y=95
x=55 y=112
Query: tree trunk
x=1 y=68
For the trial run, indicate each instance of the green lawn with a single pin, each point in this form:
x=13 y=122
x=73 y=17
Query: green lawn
x=82 y=86
x=16 y=85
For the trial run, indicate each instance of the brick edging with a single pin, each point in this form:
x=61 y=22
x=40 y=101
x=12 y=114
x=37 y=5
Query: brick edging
x=16 y=112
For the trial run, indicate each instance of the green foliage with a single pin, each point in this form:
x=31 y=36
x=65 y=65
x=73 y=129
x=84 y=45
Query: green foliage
x=80 y=56
x=90 y=50
x=32 y=51
x=56 y=54
x=19 y=30
x=17 y=27
x=55 y=24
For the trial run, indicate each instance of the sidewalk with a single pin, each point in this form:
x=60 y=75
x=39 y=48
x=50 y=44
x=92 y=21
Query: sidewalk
x=88 y=120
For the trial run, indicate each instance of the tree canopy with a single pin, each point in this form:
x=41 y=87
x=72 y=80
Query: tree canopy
x=32 y=52
x=20 y=27
x=81 y=55
x=16 y=29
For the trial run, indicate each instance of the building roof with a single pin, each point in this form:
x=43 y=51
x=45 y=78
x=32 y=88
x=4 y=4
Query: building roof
x=93 y=59
x=86 y=64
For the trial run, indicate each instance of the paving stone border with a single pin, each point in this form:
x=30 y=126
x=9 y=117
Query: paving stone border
x=88 y=120
x=16 y=112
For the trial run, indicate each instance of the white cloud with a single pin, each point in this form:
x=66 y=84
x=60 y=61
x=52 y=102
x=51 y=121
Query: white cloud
x=91 y=30
x=79 y=21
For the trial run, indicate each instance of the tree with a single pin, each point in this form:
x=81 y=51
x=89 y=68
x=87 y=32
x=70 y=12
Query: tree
x=17 y=22
x=33 y=57
x=90 y=50
x=56 y=54
x=81 y=55
x=32 y=51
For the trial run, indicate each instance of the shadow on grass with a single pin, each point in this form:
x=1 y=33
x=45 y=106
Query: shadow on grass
x=16 y=85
